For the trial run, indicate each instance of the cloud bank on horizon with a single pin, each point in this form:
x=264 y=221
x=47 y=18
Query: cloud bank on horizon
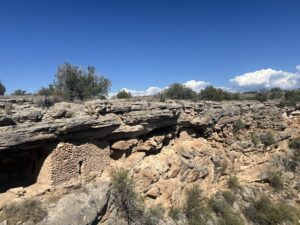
x=256 y=80
x=268 y=78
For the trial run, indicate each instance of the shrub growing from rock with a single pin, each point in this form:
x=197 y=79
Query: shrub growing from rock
x=265 y=212
x=276 y=93
x=261 y=96
x=47 y=91
x=254 y=139
x=19 y=92
x=291 y=98
x=27 y=211
x=295 y=143
x=179 y=91
x=229 y=197
x=238 y=125
x=72 y=82
x=275 y=180
x=233 y=183
x=175 y=212
x=124 y=94
x=225 y=213
x=153 y=215
x=124 y=196
x=2 y=88
x=267 y=139
x=196 y=212
x=217 y=94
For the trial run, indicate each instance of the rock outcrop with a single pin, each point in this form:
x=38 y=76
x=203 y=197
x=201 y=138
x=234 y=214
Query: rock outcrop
x=68 y=151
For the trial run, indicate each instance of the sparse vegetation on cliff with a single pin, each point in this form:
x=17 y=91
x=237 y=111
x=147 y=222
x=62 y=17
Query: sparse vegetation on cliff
x=72 y=82
x=195 y=209
x=275 y=179
x=229 y=197
x=295 y=143
x=19 y=92
x=217 y=94
x=153 y=214
x=179 y=91
x=47 y=91
x=238 y=125
x=224 y=211
x=254 y=139
x=233 y=183
x=31 y=211
x=2 y=88
x=291 y=98
x=124 y=195
x=267 y=139
x=175 y=212
x=124 y=94
x=265 y=212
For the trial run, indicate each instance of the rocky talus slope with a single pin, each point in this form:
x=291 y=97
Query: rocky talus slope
x=62 y=157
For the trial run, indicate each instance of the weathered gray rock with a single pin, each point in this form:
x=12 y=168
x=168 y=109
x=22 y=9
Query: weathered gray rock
x=119 y=119
x=81 y=207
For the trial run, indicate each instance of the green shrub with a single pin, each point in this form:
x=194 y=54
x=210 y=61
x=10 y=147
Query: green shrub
x=124 y=195
x=233 y=183
x=162 y=97
x=291 y=98
x=276 y=93
x=254 y=139
x=229 y=197
x=2 y=88
x=217 y=94
x=153 y=215
x=276 y=181
x=19 y=92
x=49 y=91
x=196 y=212
x=45 y=101
x=265 y=212
x=225 y=213
x=267 y=139
x=179 y=91
x=238 y=125
x=292 y=161
x=295 y=143
x=261 y=96
x=72 y=82
x=30 y=211
x=124 y=94
x=174 y=213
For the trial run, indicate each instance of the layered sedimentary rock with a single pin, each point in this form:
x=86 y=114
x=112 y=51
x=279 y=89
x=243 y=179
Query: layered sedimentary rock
x=167 y=146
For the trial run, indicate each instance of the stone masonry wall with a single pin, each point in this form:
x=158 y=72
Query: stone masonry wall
x=69 y=161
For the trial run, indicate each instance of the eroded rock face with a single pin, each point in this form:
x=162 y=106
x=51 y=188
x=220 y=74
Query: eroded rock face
x=81 y=207
x=167 y=147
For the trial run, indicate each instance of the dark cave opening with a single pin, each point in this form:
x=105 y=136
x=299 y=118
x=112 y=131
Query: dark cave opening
x=20 y=169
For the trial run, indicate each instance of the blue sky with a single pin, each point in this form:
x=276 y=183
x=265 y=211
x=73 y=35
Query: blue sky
x=144 y=43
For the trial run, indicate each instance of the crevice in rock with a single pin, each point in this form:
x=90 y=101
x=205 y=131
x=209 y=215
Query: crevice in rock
x=116 y=155
x=102 y=212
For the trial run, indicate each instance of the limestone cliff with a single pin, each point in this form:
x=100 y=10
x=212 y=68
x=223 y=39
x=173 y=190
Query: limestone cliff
x=63 y=155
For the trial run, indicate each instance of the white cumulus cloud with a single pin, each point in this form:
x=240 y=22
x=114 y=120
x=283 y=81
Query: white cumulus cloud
x=196 y=85
x=147 y=92
x=298 y=67
x=267 y=78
